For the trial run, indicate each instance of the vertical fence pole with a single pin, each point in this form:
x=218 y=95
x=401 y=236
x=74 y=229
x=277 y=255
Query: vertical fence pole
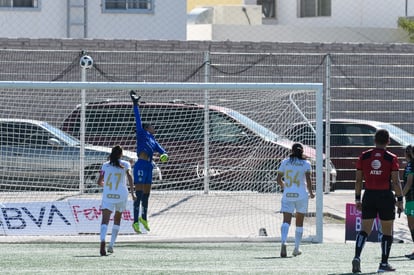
x=82 y=135
x=206 y=124
x=327 y=122
x=319 y=166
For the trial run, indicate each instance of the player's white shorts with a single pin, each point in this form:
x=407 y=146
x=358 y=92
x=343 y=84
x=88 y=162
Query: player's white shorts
x=289 y=206
x=119 y=206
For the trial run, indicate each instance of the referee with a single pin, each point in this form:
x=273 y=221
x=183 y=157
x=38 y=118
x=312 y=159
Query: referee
x=376 y=167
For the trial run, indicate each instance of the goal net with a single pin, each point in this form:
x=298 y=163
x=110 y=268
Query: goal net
x=224 y=141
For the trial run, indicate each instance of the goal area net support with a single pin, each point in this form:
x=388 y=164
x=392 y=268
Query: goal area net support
x=225 y=142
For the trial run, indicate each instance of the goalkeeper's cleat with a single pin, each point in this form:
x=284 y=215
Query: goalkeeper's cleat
x=134 y=97
x=296 y=252
x=356 y=265
x=135 y=225
x=103 y=252
x=110 y=249
x=144 y=223
x=283 y=253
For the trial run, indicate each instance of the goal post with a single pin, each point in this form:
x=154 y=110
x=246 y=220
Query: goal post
x=227 y=191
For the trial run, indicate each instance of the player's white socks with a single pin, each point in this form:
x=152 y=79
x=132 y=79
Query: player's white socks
x=284 y=230
x=115 y=230
x=298 y=236
x=104 y=229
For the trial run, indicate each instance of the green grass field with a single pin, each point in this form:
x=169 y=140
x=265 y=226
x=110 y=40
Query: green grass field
x=193 y=258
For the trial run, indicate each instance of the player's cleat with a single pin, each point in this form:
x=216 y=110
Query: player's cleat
x=283 y=253
x=296 y=252
x=385 y=268
x=110 y=249
x=135 y=225
x=103 y=252
x=134 y=97
x=144 y=223
x=356 y=265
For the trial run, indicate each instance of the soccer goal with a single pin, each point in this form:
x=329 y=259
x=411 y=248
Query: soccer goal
x=224 y=140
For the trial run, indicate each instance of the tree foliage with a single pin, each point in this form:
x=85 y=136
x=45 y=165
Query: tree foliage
x=407 y=25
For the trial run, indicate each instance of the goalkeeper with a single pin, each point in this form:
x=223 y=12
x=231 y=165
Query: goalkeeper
x=146 y=146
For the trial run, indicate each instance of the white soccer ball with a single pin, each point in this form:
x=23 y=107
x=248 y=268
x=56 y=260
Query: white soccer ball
x=86 y=62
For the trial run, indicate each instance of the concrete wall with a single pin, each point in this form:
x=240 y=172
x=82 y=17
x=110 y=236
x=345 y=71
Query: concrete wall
x=276 y=33
x=217 y=46
x=192 y=4
x=237 y=15
x=168 y=21
x=349 y=13
x=354 y=21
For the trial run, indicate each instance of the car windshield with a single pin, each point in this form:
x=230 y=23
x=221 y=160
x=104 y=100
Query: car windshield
x=254 y=126
x=72 y=141
x=398 y=134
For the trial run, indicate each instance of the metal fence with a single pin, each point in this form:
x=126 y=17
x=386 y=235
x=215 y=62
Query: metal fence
x=357 y=85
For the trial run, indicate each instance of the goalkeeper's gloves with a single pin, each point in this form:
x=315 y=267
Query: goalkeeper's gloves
x=134 y=97
x=164 y=158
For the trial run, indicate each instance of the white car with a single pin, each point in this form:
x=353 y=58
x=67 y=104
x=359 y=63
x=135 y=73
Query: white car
x=38 y=156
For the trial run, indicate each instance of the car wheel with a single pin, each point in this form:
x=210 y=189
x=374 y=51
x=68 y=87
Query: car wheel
x=91 y=178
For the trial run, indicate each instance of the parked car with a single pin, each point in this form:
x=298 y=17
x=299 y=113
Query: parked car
x=38 y=156
x=349 y=137
x=242 y=154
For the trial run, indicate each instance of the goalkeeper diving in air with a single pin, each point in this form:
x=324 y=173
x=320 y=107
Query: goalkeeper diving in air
x=146 y=146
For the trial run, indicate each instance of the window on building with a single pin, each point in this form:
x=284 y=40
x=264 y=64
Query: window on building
x=130 y=5
x=268 y=8
x=314 y=8
x=18 y=3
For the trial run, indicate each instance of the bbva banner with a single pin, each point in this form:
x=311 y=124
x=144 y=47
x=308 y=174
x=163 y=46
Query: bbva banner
x=353 y=225
x=72 y=217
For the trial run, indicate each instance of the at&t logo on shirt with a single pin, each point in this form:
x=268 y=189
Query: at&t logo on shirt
x=376 y=164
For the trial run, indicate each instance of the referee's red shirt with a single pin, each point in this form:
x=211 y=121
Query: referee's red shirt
x=377 y=165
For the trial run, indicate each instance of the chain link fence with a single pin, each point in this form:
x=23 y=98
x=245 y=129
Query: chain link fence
x=357 y=86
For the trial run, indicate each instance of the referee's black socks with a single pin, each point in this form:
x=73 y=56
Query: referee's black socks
x=360 y=242
x=386 y=243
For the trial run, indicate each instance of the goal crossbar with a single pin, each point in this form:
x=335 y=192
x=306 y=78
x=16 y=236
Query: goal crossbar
x=157 y=85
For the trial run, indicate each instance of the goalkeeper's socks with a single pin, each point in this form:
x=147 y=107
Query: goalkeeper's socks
x=137 y=204
x=145 y=200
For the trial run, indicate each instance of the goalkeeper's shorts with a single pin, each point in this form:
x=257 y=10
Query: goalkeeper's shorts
x=143 y=172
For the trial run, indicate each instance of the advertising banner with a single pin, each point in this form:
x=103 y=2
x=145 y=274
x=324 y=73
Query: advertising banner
x=87 y=215
x=37 y=218
x=353 y=225
x=71 y=217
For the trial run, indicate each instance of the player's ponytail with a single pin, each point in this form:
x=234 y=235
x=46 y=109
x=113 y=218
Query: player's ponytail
x=297 y=151
x=115 y=155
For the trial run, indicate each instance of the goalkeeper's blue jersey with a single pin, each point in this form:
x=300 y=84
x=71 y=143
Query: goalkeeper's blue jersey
x=145 y=141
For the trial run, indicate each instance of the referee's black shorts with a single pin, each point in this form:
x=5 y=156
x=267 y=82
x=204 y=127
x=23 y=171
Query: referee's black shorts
x=381 y=202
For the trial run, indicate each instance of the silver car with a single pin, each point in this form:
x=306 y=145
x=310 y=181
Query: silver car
x=38 y=156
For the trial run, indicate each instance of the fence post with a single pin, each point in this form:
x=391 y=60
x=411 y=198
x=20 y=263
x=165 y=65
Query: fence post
x=82 y=135
x=206 y=124
x=327 y=121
